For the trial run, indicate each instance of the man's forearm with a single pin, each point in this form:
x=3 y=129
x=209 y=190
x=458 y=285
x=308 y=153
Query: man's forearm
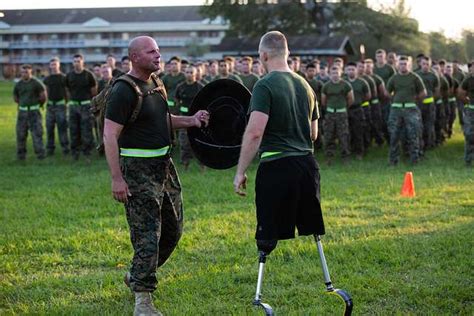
x=250 y=145
x=182 y=121
x=112 y=155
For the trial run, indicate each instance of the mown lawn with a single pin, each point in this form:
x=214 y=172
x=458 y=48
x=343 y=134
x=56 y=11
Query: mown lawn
x=64 y=242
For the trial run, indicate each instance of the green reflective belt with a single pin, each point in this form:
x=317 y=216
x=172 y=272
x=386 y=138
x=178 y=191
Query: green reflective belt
x=59 y=102
x=407 y=105
x=333 y=110
x=366 y=103
x=439 y=101
x=170 y=103
x=29 y=107
x=267 y=154
x=469 y=106
x=85 y=102
x=375 y=101
x=184 y=109
x=144 y=153
x=452 y=99
x=428 y=100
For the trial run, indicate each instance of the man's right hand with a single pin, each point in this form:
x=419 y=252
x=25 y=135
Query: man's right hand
x=120 y=190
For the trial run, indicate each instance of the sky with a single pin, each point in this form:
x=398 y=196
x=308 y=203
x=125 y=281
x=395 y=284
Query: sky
x=450 y=17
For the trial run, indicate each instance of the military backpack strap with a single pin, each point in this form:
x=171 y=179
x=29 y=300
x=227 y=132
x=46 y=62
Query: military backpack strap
x=126 y=78
x=160 y=88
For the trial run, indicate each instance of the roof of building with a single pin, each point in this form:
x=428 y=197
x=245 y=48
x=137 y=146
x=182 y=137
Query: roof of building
x=298 y=45
x=111 y=15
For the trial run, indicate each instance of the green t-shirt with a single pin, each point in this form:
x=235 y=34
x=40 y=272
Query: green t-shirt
x=430 y=80
x=459 y=75
x=249 y=80
x=336 y=94
x=323 y=79
x=372 y=85
x=360 y=88
x=171 y=82
x=291 y=106
x=468 y=86
x=150 y=129
x=317 y=86
x=453 y=85
x=231 y=76
x=405 y=88
x=185 y=94
x=80 y=85
x=28 y=92
x=385 y=72
x=56 y=84
x=444 y=86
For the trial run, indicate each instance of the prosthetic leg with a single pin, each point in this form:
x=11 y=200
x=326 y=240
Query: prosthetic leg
x=327 y=280
x=265 y=247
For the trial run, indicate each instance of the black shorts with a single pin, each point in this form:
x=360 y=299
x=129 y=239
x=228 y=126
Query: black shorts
x=287 y=196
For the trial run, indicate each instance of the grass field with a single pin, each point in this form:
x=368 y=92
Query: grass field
x=64 y=242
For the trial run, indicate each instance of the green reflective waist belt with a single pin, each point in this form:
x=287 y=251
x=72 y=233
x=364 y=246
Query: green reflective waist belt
x=84 y=102
x=406 y=105
x=439 y=101
x=29 y=107
x=267 y=154
x=170 y=103
x=469 y=106
x=452 y=99
x=59 y=102
x=144 y=153
x=428 y=100
x=184 y=109
x=333 y=110
x=375 y=101
x=366 y=103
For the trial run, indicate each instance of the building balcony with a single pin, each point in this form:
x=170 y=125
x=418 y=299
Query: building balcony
x=47 y=44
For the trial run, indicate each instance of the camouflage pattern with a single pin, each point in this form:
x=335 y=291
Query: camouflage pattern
x=376 y=123
x=468 y=135
x=56 y=115
x=404 y=122
x=366 y=132
x=186 y=153
x=80 y=129
x=451 y=111
x=29 y=120
x=440 y=122
x=357 y=126
x=154 y=215
x=428 y=117
x=336 y=125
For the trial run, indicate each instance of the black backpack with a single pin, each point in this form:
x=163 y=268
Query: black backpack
x=99 y=102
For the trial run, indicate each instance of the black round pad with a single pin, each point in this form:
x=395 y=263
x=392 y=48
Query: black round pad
x=217 y=146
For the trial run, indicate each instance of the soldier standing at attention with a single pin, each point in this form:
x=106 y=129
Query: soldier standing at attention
x=248 y=78
x=367 y=131
x=407 y=88
x=111 y=61
x=82 y=87
x=185 y=93
x=385 y=71
x=452 y=100
x=323 y=73
x=392 y=59
x=357 y=121
x=213 y=70
x=30 y=94
x=459 y=75
x=56 y=113
x=376 y=118
x=467 y=96
x=126 y=64
x=257 y=68
x=107 y=76
x=172 y=80
x=224 y=72
x=317 y=86
x=96 y=72
x=441 y=104
x=335 y=98
x=427 y=105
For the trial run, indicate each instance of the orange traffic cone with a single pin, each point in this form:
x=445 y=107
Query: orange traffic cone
x=408 y=188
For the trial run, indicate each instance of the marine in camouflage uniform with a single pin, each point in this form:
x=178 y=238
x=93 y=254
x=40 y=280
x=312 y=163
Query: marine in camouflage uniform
x=82 y=87
x=143 y=175
x=376 y=117
x=357 y=121
x=29 y=93
x=406 y=87
x=248 y=78
x=441 y=104
x=56 y=114
x=336 y=96
x=452 y=100
x=185 y=93
x=467 y=89
x=317 y=86
x=384 y=71
x=427 y=105
x=224 y=72
x=459 y=75
x=172 y=80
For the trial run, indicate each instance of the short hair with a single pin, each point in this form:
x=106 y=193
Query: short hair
x=229 y=58
x=26 y=66
x=442 y=62
x=222 y=61
x=404 y=58
x=428 y=59
x=184 y=62
x=380 y=51
x=361 y=62
x=338 y=60
x=256 y=61
x=455 y=61
x=470 y=64
x=213 y=61
x=247 y=58
x=334 y=67
x=78 y=56
x=420 y=56
x=110 y=55
x=97 y=65
x=55 y=58
x=274 y=43
x=369 y=61
x=104 y=65
x=316 y=61
x=174 y=58
x=296 y=58
x=311 y=65
x=124 y=58
x=353 y=64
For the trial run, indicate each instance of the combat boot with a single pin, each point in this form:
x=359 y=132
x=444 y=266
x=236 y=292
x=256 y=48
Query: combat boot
x=144 y=305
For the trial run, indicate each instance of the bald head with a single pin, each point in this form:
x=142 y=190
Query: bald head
x=274 y=44
x=139 y=43
x=144 y=53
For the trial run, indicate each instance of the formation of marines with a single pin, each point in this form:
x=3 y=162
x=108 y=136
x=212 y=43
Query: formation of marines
x=411 y=105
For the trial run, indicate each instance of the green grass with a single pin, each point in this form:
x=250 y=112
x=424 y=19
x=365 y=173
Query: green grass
x=64 y=242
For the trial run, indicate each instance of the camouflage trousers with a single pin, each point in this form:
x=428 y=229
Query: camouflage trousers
x=428 y=117
x=451 y=111
x=376 y=123
x=154 y=215
x=318 y=144
x=32 y=121
x=357 y=126
x=440 y=122
x=56 y=116
x=367 y=131
x=186 y=153
x=336 y=126
x=80 y=129
x=406 y=122
x=468 y=128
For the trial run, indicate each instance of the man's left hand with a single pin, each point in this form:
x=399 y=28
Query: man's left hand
x=200 y=117
x=240 y=184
